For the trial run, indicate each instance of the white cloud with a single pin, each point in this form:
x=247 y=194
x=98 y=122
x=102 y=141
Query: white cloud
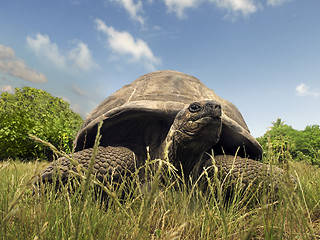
x=82 y=57
x=179 y=6
x=79 y=91
x=123 y=43
x=232 y=7
x=304 y=90
x=16 y=67
x=42 y=46
x=4 y=78
x=65 y=99
x=79 y=57
x=7 y=88
x=74 y=107
x=275 y=3
x=133 y=8
x=245 y=7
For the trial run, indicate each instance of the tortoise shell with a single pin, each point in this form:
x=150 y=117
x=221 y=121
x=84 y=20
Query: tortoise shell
x=142 y=112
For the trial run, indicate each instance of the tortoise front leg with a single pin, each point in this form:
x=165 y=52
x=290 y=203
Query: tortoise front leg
x=110 y=162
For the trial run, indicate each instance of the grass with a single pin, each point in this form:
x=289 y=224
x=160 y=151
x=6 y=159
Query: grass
x=174 y=211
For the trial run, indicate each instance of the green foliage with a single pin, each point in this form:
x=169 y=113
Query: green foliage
x=34 y=111
x=308 y=144
x=284 y=142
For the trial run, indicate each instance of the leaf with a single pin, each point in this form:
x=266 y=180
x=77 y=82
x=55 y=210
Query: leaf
x=34 y=111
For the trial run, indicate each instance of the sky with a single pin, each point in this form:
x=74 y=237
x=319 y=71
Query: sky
x=262 y=55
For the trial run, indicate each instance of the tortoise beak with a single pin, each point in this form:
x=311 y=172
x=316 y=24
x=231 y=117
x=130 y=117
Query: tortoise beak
x=212 y=109
x=210 y=113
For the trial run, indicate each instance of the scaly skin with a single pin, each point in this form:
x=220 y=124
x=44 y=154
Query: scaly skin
x=249 y=171
x=120 y=161
x=110 y=162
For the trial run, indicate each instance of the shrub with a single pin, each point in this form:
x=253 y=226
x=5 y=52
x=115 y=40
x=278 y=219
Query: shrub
x=34 y=111
x=284 y=142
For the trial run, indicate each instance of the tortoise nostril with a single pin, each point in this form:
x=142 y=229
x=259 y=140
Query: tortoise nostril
x=213 y=105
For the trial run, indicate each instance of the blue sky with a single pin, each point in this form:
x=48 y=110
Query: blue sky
x=262 y=55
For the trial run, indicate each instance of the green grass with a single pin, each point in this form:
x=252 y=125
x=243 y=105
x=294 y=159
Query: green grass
x=171 y=212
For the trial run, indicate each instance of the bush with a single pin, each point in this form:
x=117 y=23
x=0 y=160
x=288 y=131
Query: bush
x=284 y=142
x=34 y=111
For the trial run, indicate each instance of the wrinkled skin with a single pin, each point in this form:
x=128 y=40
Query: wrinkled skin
x=194 y=130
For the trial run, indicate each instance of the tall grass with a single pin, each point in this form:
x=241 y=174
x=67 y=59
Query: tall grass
x=173 y=209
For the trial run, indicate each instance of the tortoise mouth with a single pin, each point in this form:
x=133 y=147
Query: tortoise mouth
x=208 y=119
x=202 y=126
x=207 y=115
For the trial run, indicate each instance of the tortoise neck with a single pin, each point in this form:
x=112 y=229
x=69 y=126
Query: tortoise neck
x=183 y=156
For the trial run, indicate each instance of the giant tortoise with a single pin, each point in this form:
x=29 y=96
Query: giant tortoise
x=177 y=118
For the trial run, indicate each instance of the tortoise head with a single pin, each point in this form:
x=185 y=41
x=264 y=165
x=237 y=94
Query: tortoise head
x=200 y=121
x=195 y=130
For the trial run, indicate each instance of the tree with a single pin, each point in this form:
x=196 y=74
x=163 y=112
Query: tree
x=34 y=111
x=308 y=144
x=279 y=141
x=283 y=142
x=278 y=123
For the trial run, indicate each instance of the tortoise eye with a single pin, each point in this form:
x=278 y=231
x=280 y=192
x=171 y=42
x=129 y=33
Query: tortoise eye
x=195 y=107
